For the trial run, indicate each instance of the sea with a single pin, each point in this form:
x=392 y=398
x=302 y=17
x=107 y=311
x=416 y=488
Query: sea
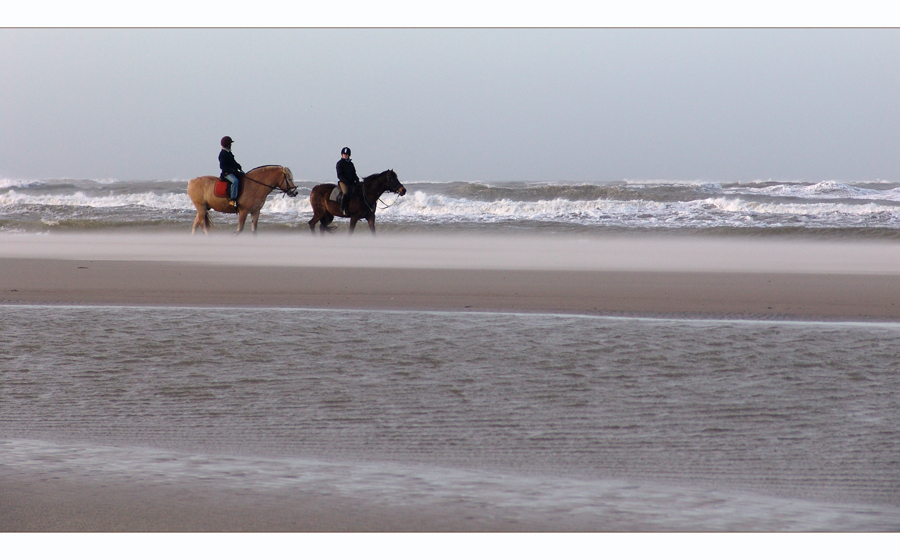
x=548 y=421
x=829 y=208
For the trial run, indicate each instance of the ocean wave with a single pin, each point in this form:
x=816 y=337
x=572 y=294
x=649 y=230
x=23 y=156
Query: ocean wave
x=287 y=206
x=822 y=190
x=719 y=211
x=667 y=205
x=703 y=185
x=806 y=209
x=423 y=206
x=663 y=191
x=617 y=190
x=18 y=183
x=80 y=199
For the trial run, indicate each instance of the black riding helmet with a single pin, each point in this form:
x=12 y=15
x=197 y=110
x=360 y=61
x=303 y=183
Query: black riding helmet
x=227 y=141
x=346 y=150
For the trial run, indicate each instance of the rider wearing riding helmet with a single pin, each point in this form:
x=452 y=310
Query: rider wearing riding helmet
x=231 y=169
x=347 y=179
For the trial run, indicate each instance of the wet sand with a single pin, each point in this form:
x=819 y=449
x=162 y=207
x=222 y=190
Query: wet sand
x=648 y=277
x=37 y=504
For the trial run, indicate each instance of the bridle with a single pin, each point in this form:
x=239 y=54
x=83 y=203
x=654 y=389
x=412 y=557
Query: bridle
x=377 y=200
x=284 y=181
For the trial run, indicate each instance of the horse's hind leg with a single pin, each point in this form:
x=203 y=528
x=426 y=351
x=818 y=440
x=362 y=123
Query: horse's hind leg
x=312 y=223
x=325 y=222
x=202 y=221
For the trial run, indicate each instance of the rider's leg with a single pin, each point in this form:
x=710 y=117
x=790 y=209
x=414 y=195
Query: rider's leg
x=344 y=198
x=232 y=187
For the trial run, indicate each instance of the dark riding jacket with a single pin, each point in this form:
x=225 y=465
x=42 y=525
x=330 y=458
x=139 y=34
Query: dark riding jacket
x=228 y=164
x=346 y=172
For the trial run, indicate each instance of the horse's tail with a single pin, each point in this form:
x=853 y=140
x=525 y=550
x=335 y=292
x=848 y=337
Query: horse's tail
x=206 y=221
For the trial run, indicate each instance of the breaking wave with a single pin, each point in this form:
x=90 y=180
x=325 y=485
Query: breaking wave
x=688 y=206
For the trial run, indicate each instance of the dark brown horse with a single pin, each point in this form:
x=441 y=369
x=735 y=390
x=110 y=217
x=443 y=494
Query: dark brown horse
x=362 y=205
x=257 y=184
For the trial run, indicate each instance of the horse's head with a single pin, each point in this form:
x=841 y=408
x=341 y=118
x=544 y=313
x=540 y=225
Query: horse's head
x=386 y=181
x=289 y=188
x=394 y=184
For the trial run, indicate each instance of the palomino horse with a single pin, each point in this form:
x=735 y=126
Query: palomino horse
x=257 y=184
x=361 y=206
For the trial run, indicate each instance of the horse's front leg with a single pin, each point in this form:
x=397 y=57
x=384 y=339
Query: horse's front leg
x=371 y=220
x=242 y=218
x=254 y=219
x=353 y=223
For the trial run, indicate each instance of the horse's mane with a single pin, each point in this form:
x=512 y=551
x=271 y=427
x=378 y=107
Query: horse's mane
x=261 y=166
x=376 y=175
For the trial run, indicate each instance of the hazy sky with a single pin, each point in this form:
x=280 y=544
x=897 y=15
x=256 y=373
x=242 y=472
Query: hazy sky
x=491 y=104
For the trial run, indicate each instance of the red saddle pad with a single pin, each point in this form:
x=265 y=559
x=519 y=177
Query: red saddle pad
x=222 y=188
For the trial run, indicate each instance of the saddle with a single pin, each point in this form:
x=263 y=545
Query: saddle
x=337 y=194
x=221 y=189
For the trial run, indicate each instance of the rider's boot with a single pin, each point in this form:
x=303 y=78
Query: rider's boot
x=344 y=203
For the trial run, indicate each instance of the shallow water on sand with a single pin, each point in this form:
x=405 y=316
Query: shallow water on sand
x=585 y=422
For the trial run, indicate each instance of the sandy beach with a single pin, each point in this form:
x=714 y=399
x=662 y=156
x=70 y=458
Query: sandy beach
x=628 y=276
x=616 y=276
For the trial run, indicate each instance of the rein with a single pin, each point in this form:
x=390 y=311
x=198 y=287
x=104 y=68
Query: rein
x=278 y=186
x=366 y=200
x=386 y=206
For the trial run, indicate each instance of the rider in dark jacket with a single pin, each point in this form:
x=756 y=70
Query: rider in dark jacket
x=231 y=169
x=347 y=179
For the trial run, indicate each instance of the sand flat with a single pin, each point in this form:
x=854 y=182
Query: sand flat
x=631 y=276
x=646 y=276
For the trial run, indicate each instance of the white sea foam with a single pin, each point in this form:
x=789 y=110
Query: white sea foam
x=162 y=201
x=827 y=204
x=420 y=206
x=823 y=190
x=810 y=210
x=288 y=206
x=719 y=211
x=81 y=199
